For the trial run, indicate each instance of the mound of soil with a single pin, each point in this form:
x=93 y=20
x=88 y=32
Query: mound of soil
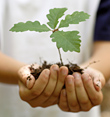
x=71 y=68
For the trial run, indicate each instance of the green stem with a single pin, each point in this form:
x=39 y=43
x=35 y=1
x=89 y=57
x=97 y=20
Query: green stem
x=60 y=57
x=58 y=48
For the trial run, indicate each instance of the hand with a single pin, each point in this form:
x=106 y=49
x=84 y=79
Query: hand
x=82 y=91
x=46 y=89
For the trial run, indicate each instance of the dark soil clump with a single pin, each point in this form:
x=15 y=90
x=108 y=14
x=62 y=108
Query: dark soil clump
x=71 y=68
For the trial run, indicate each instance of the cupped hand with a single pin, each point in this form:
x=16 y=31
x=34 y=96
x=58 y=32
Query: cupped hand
x=46 y=89
x=83 y=91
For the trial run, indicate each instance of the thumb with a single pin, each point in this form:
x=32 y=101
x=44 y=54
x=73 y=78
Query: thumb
x=26 y=77
x=97 y=84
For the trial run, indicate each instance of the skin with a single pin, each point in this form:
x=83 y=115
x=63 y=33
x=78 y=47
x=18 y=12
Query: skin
x=45 y=91
x=82 y=91
x=9 y=69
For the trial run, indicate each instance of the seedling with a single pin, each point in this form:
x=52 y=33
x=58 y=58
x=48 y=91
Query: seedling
x=67 y=40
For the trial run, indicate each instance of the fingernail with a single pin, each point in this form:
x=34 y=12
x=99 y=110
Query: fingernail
x=77 y=75
x=55 y=68
x=47 y=73
x=64 y=71
x=69 y=80
x=98 y=84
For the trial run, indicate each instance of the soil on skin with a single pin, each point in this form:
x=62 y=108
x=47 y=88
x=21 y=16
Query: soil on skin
x=71 y=68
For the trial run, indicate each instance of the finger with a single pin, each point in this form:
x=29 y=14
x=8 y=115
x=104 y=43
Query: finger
x=46 y=94
x=37 y=89
x=71 y=95
x=82 y=96
x=25 y=75
x=41 y=82
x=63 y=101
x=52 y=81
x=24 y=72
x=94 y=95
x=24 y=92
x=97 y=77
x=63 y=71
x=30 y=81
x=97 y=83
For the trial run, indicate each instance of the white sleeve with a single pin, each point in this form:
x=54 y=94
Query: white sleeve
x=0 y=35
x=2 y=9
x=0 y=27
x=0 y=32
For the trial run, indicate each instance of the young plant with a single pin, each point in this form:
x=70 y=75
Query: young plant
x=67 y=40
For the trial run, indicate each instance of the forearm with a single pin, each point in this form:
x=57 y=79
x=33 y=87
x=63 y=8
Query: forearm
x=9 y=69
x=102 y=54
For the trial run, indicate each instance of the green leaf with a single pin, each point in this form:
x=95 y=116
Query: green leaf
x=54 y=15
x=68 y=41
x=75 y=18
x=31 y=26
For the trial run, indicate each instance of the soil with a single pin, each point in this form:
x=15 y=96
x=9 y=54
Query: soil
x=71 y=68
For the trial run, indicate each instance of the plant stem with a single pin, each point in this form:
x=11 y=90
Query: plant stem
x=58 y=48
x=60 y=57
